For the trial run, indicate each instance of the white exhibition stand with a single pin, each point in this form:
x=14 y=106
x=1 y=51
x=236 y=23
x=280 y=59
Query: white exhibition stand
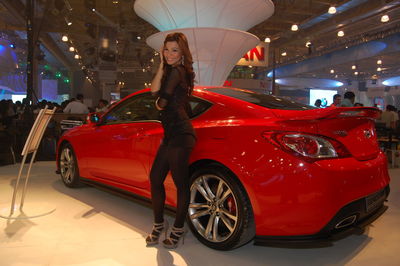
x=31 y=146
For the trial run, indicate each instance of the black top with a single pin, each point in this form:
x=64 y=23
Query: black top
x=174 y=99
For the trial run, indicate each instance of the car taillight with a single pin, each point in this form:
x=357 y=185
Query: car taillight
x=310 y=147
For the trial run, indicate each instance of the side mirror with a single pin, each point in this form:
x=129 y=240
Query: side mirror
x=92 y=118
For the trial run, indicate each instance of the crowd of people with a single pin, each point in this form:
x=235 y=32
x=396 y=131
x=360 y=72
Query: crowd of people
x=16 y=120
x=347 y=101
x=388 y=121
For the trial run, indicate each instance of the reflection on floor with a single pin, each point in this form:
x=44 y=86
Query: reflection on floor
x=93 y=227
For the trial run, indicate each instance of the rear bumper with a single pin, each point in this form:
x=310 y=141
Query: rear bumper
x=364 y=211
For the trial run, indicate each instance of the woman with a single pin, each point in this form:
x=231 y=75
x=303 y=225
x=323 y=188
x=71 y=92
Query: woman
x=173 y=84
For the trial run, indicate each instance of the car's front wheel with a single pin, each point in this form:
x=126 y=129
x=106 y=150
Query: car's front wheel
x=220 y=213
x=69 y=167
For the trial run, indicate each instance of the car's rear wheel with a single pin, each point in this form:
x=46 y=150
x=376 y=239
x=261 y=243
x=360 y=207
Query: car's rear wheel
x=220 y=213
x=69 y=167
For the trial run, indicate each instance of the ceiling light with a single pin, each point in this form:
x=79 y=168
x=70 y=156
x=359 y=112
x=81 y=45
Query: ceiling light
x=353 y=67
x=284 y=54
x=68 y=21
x=294 y=27
x=68 y=5
x=332 y=71
x=77 y=56
x=71 y=49
x=64 y=38
x=332 y=10
x=379 y=69
x=93 y=9
x=340 y=33
x=138 y=37
x=308 y=44
x=379 y=62
x=267 y=39
x=356 y=73
x=385 y=18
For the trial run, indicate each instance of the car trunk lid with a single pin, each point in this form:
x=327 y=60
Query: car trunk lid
x=353 y=127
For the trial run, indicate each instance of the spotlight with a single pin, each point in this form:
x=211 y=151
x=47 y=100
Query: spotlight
x=64 y=38
x=267 y=39
x=340 y=33
x=332 y=10
x=90 y=4
x=308 y=44
x=294 y=27
x=68 y=5
x=385 y=18
x=68 y=21
x=71 y=49
x=12 y=45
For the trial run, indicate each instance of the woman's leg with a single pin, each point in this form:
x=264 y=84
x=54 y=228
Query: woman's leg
x=178 y=157
x=158 y=173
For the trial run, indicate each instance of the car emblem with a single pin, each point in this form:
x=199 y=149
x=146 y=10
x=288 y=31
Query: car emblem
x=367 y=133
x=342 y=133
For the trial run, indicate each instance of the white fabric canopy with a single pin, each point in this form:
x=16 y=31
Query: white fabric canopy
x=176 y=14
x=215 y=51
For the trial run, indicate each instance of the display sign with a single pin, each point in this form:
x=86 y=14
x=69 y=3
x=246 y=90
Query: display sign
x=258 y=56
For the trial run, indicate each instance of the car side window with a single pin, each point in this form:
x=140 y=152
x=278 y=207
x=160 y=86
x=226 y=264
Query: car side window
x=197 y=106
x=138 y=108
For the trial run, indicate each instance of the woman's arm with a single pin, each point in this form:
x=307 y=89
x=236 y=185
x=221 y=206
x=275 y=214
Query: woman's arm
x=172 y=81
x=156 y=83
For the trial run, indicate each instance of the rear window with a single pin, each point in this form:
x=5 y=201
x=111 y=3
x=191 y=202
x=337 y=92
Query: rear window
x=265 y=100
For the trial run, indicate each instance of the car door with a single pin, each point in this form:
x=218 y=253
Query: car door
x=126 y=141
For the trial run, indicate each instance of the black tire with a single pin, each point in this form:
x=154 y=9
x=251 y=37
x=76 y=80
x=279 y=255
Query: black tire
x=68 y=164
x=220 y=213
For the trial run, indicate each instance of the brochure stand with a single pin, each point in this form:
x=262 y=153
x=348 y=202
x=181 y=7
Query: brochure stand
x=31 y=146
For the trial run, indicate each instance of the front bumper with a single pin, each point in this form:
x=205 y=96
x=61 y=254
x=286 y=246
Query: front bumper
x=364 y=210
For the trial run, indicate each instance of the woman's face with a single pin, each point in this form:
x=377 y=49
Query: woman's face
x=172 y=53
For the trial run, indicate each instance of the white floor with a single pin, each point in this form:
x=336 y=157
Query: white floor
x=93 y=227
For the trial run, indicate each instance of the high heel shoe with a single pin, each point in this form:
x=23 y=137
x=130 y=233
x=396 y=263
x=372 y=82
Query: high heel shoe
x=154 y=236
x=174 y=237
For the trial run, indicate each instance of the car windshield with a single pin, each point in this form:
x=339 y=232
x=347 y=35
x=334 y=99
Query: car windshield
x=265 y=100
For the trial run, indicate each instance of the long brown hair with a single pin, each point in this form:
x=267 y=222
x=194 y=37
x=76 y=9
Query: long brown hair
x=180 y=38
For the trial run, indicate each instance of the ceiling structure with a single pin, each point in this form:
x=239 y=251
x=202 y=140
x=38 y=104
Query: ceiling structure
x=126 y=57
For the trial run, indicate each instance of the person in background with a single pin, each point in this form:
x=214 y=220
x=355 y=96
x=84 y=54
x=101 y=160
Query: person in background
x=389 y=117
x=102 y=106
x=358 y=104
x=337 y=99
x=349 y=98
x=318 y=103
x=77 y=106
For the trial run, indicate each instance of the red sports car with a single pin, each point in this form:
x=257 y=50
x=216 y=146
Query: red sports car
x=264 y=168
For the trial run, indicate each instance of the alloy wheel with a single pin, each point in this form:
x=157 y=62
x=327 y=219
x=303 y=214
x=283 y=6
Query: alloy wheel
x=213 y=208
x=67 y=165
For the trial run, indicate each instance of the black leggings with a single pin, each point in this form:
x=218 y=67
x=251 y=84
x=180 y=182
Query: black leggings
x=172 y=155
